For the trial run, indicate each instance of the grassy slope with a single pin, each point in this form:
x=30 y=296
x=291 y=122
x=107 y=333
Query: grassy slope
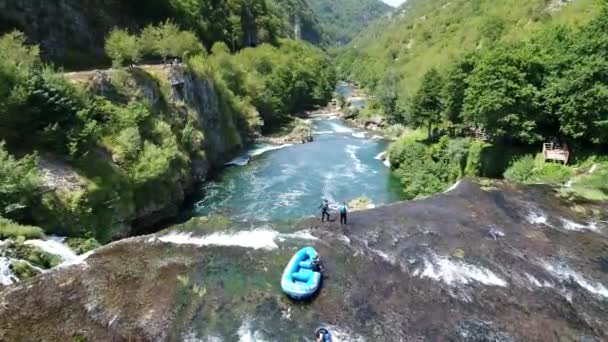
x=432 y=33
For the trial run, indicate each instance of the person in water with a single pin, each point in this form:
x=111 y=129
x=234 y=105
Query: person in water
x=322 y=335
x=343 y=209
x=324 y=210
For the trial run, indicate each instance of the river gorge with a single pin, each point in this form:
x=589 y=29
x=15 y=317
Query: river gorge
x=484 y=261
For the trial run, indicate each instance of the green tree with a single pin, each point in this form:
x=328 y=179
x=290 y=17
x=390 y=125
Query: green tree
x=166 y=35
x=427 y=103
x=387 y=94
x=455 y=87
x=503 y=94
x=186 y=44
x=19 y=184
x=491 y=29
x=122 y=47
x=235 y=31
x=14 y=51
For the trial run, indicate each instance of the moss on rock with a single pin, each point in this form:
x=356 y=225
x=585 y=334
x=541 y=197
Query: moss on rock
x=23 y=270
x=81 y=245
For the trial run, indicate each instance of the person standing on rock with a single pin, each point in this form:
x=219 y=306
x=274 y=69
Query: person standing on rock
x=343 y=209
x=324 y=210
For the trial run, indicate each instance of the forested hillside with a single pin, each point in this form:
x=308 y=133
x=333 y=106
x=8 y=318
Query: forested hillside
x=423 y=34
x=72 y=32
x=486 y=82
x=342 y=20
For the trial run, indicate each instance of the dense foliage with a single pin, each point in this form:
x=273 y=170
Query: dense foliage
x=425 y=169
x=131 y=138
x=342 y=20
x=553 y=83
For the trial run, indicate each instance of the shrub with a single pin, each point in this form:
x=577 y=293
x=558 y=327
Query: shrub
x=14 y=51
x=23 y=270
x=19 y=183
x=552 y=173
x=127 y=144
x=82 y=245
x=167 y=40
x=122 y=47
x=521 y=170
x=43 y=259
x=10 y=229
x=473 y=166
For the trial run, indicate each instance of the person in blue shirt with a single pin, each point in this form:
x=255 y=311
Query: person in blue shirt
x=343 y=209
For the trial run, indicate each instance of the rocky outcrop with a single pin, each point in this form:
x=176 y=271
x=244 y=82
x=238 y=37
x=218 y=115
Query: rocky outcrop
x=301 y=134
x=183 y=103
x=506 y=264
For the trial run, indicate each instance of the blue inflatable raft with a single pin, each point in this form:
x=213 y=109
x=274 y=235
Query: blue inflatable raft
x=299 y=280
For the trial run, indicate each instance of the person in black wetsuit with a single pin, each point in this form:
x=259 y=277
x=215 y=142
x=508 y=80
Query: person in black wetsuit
x=324 y=210
x=322 y=335
x=316 y=264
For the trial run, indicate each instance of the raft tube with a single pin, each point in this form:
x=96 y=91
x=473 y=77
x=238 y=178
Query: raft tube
x=299 y=281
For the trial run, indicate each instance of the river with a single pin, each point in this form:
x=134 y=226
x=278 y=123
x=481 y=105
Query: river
x=288 y=182
x=484 y=261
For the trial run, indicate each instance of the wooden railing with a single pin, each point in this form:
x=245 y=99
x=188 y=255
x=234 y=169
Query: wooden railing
x=556 y=153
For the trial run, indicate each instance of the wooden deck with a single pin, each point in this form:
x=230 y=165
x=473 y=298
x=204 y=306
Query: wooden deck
x=556 y=153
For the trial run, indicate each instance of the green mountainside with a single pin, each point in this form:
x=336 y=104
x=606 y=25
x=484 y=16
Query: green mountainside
x=423 y=34
x=342 y=20
x=72 y=32
x=484 y=84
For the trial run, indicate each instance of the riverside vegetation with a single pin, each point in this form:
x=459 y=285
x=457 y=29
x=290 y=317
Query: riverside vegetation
x=522 y=76
x=129 y=136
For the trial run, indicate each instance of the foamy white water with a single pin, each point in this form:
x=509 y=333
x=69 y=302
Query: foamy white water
x=260 y=150
x=565 y=275
x=246 y=158
x=537 y=283
x=256 y=239
x=6 y=275
x=451 y=272
x=359 y=135
x=246 y=334
x=339 y=334
x=574 y=226
x=453 y=187
x=351 y=150
x=338 y=128
x=380 y=156
x=54 y=245
x=238 y=161
x=536 y=217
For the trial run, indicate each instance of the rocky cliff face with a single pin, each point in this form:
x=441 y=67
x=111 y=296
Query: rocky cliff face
x=489 y=263
x=188 y=130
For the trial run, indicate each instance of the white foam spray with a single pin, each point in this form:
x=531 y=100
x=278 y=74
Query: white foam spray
x=451 y=272
x=6 y=275
x=574 y=226
x=566 y=274
x=54 y=245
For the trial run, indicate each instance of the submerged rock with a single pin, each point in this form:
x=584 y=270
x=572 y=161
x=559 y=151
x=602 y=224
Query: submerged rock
x=465 y=265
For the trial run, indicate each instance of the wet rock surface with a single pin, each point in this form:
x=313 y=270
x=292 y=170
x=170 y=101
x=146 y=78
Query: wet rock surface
x=506 y=264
